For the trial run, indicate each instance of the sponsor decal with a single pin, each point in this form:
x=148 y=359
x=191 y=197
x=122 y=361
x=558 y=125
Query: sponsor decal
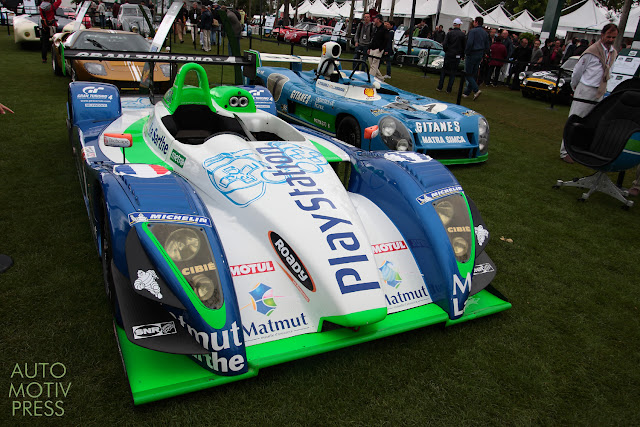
x=331 y=86
x=369 y=92
x=158 y=139
x=168 y=217
x=438 y=127
x=243 y=176
x=222 y=357
x=481 y=234
x=310 y=198
x=407 y=156
x=262 y=299
x=377 y=112
x=390 y=275
x=143 y=57
x=89 y=152
x=465 y=229
x=320 y=103
x=135 y=103
x=460 y=293
x=187 y=271
x=408 y=296
x=469 y=113
x=154 y=330
x=291 y=260
x=321 y=123
x=91 y=89
x=254 y=268
x=177 y=158
x=482 y=268
x=382 y=248
x=147 y=280
x=275 y=327
x=443 y=140
x=141 y=171
x=301 y=97
x=433 y=195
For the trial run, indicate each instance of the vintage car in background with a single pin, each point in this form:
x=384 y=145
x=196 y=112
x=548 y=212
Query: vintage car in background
x=26 y=28
x=130 y=18
x=419 y=46
x=280 y=32
x=232 y=241
x=320 y=39
x=434 y=62
x=301 y=36
x=124 y=74
x=549 y=83
x=344 y=103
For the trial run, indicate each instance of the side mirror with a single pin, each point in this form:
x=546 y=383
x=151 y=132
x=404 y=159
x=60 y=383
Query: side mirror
x=119 y=140
x=371 y=132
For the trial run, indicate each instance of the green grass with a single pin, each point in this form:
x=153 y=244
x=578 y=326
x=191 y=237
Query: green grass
x=567 y=353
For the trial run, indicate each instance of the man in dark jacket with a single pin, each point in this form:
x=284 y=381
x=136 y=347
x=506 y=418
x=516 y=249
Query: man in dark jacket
x=439 y=34
x=521 y=56
x=453 y=45
x=477 y=45
x=376 y=48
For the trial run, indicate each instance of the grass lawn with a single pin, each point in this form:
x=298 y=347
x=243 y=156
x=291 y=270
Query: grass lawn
x=567 y=353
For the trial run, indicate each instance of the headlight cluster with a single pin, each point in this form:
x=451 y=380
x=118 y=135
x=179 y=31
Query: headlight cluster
x=188 y=247
x=483 y=135
x=95 y=68
x=394 y=134
x=551 y=87
x=238 y=101
x=454 y=215
x=561 y=82
x=522 y=75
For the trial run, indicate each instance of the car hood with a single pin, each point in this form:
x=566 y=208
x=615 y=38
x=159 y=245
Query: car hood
x=548 y=76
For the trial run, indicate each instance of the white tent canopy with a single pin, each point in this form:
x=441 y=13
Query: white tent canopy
x=632 y=22
x=588 y=18
x=525 y=19
x=498 y=18
x=319 y=10
x=469 y=10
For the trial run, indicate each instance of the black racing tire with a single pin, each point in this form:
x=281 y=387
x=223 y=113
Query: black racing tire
x=304 y=41
x=397 y=58
x=348 y=130
x=56 y=70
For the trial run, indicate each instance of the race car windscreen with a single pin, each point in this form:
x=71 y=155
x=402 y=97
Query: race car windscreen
x=134 y=11
x=569 y=64
x=119 y=42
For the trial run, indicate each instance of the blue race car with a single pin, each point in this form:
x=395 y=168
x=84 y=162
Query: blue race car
x=344 y=103
x=232 y=241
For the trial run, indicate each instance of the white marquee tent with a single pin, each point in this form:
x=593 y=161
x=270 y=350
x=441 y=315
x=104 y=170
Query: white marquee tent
x=588 y=18
x=498 y=18
x=524 y=19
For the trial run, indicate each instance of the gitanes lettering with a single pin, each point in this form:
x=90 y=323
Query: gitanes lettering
x=437 y=127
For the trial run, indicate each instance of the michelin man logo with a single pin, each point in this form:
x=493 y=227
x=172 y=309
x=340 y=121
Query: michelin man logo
x=481 y=234
x=147 y=280
x=243 y=176
x=139 y=218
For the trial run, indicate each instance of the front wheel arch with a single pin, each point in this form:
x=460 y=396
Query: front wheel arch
x=348 y=130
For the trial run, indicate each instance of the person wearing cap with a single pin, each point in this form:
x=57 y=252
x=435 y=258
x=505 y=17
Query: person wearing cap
x=453 y=46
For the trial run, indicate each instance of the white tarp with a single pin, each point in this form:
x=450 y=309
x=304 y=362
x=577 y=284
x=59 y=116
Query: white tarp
x=587 y=18
x=470 y=11
x=423 y=8
x=498 y=18
x=632 y=22
x=345 y=10
x=524 y=20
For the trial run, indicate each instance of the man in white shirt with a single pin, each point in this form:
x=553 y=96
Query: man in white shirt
x=590 y=75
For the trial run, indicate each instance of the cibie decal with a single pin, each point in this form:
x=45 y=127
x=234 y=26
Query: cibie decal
x=154 y=330
x=408 y=156
x=141 y=171
x=254 y=268
x=291 y=261
x=390 y=274
x=262 y=299
x=481 y=234
x=389 y=247
x=433 y=195
x=147 y=280
x=482 y=269
x=168 y=217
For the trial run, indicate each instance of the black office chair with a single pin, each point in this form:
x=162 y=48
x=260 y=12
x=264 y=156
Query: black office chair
x=597 y=141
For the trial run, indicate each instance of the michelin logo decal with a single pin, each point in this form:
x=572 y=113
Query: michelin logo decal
x=433 y=195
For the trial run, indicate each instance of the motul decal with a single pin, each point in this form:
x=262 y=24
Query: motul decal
x=381 y=248
x=256 y=267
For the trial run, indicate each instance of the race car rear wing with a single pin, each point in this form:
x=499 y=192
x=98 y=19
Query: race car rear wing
x=247 y=62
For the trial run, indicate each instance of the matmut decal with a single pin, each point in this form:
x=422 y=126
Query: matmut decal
x=433 y=195
x=389 y=247
x=168 y=217
x=254 y=268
